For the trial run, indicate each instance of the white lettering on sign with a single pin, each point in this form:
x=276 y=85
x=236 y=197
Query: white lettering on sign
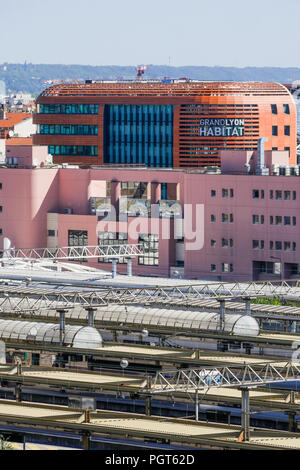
x=221 y=127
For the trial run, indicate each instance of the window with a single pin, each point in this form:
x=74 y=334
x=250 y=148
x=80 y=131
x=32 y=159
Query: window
x=274 y=130
x=213 y=268
x=150 y=246
x=255 y=194
x=0 y=186
x=271 y=194
x=74 y=150
x=287 y=195
x=287 y=130
x=224 y=243
x=262 y=244
x=274 y=108
x=294 y=221
x=68 y=108
x=51 y=233
x=278 y=195
x=286 y=109
x=294 y=246
x=262 y=219
x=225 y=193
x=213 y=193
x=255 y=219
x=213 y=243
x=271 y=220
x=275 y=148
x=1 y=231
x=271 y=245
x=266 y=267
x=287 y=220
x=52 y=129
x=278 y=245
x=278 y=220
x=135 y=134
x=212 y=218
x=231 y=218
x=231 y=243
x=1 y=208
x=78 y=238
x=255 y=244
x=231 y=192
x=225 y=267
x=287 y=246
x=225 y=218
x=262 y=194
x=111 y=238
x=294 y=195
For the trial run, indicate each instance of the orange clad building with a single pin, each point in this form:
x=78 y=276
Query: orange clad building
x=173 y=123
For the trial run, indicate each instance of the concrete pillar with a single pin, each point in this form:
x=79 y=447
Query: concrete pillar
x=155 y=192
x=148 y=405
x=115 y=194
x=292 y=421
x=18 y=392
x=62 y=325
x=129 y=267
x=113 y=268
x=86 y=442
x=248 y=305
x=286 y=325
x=293 y=326
x=91 y=316
x=222 y=314
x=245 y=413
x=149 y=191
x=197 y=405
x=177 y=191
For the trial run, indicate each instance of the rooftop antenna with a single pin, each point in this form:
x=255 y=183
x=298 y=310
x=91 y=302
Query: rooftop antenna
x=141 y=70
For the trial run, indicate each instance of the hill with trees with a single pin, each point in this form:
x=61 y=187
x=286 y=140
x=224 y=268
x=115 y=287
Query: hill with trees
x=32 y=78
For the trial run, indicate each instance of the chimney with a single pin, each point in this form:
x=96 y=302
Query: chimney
x=261 y=168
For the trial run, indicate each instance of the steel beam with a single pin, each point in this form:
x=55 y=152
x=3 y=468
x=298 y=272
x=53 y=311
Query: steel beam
x=73 y=252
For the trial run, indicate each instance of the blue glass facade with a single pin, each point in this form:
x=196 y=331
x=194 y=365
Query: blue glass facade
x=64 y=129
x=74 y=150
x=68 y=109
x=139 y=134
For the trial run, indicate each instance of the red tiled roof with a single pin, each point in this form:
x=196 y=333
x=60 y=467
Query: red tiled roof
x=13 y=118
x=19 y=141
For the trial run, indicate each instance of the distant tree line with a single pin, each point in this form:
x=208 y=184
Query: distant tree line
x=29 y=77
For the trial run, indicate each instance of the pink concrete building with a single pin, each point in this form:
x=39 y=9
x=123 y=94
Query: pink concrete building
x=245 y=226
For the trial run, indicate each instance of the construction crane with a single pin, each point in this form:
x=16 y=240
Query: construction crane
x=141 y=70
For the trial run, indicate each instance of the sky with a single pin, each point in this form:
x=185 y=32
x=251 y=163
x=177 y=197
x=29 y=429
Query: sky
x=159 y=32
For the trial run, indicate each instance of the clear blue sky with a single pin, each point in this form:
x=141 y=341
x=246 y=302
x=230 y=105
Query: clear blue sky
x=129 y=32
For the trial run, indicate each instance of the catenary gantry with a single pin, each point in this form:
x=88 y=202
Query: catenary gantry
x=74 y=252
x=34 y=298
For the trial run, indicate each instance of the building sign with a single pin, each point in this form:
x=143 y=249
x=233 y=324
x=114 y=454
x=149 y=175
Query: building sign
x=222 y=127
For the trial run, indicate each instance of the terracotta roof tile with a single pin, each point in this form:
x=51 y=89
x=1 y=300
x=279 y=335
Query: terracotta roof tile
x=19 y=141
x=13 y=118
